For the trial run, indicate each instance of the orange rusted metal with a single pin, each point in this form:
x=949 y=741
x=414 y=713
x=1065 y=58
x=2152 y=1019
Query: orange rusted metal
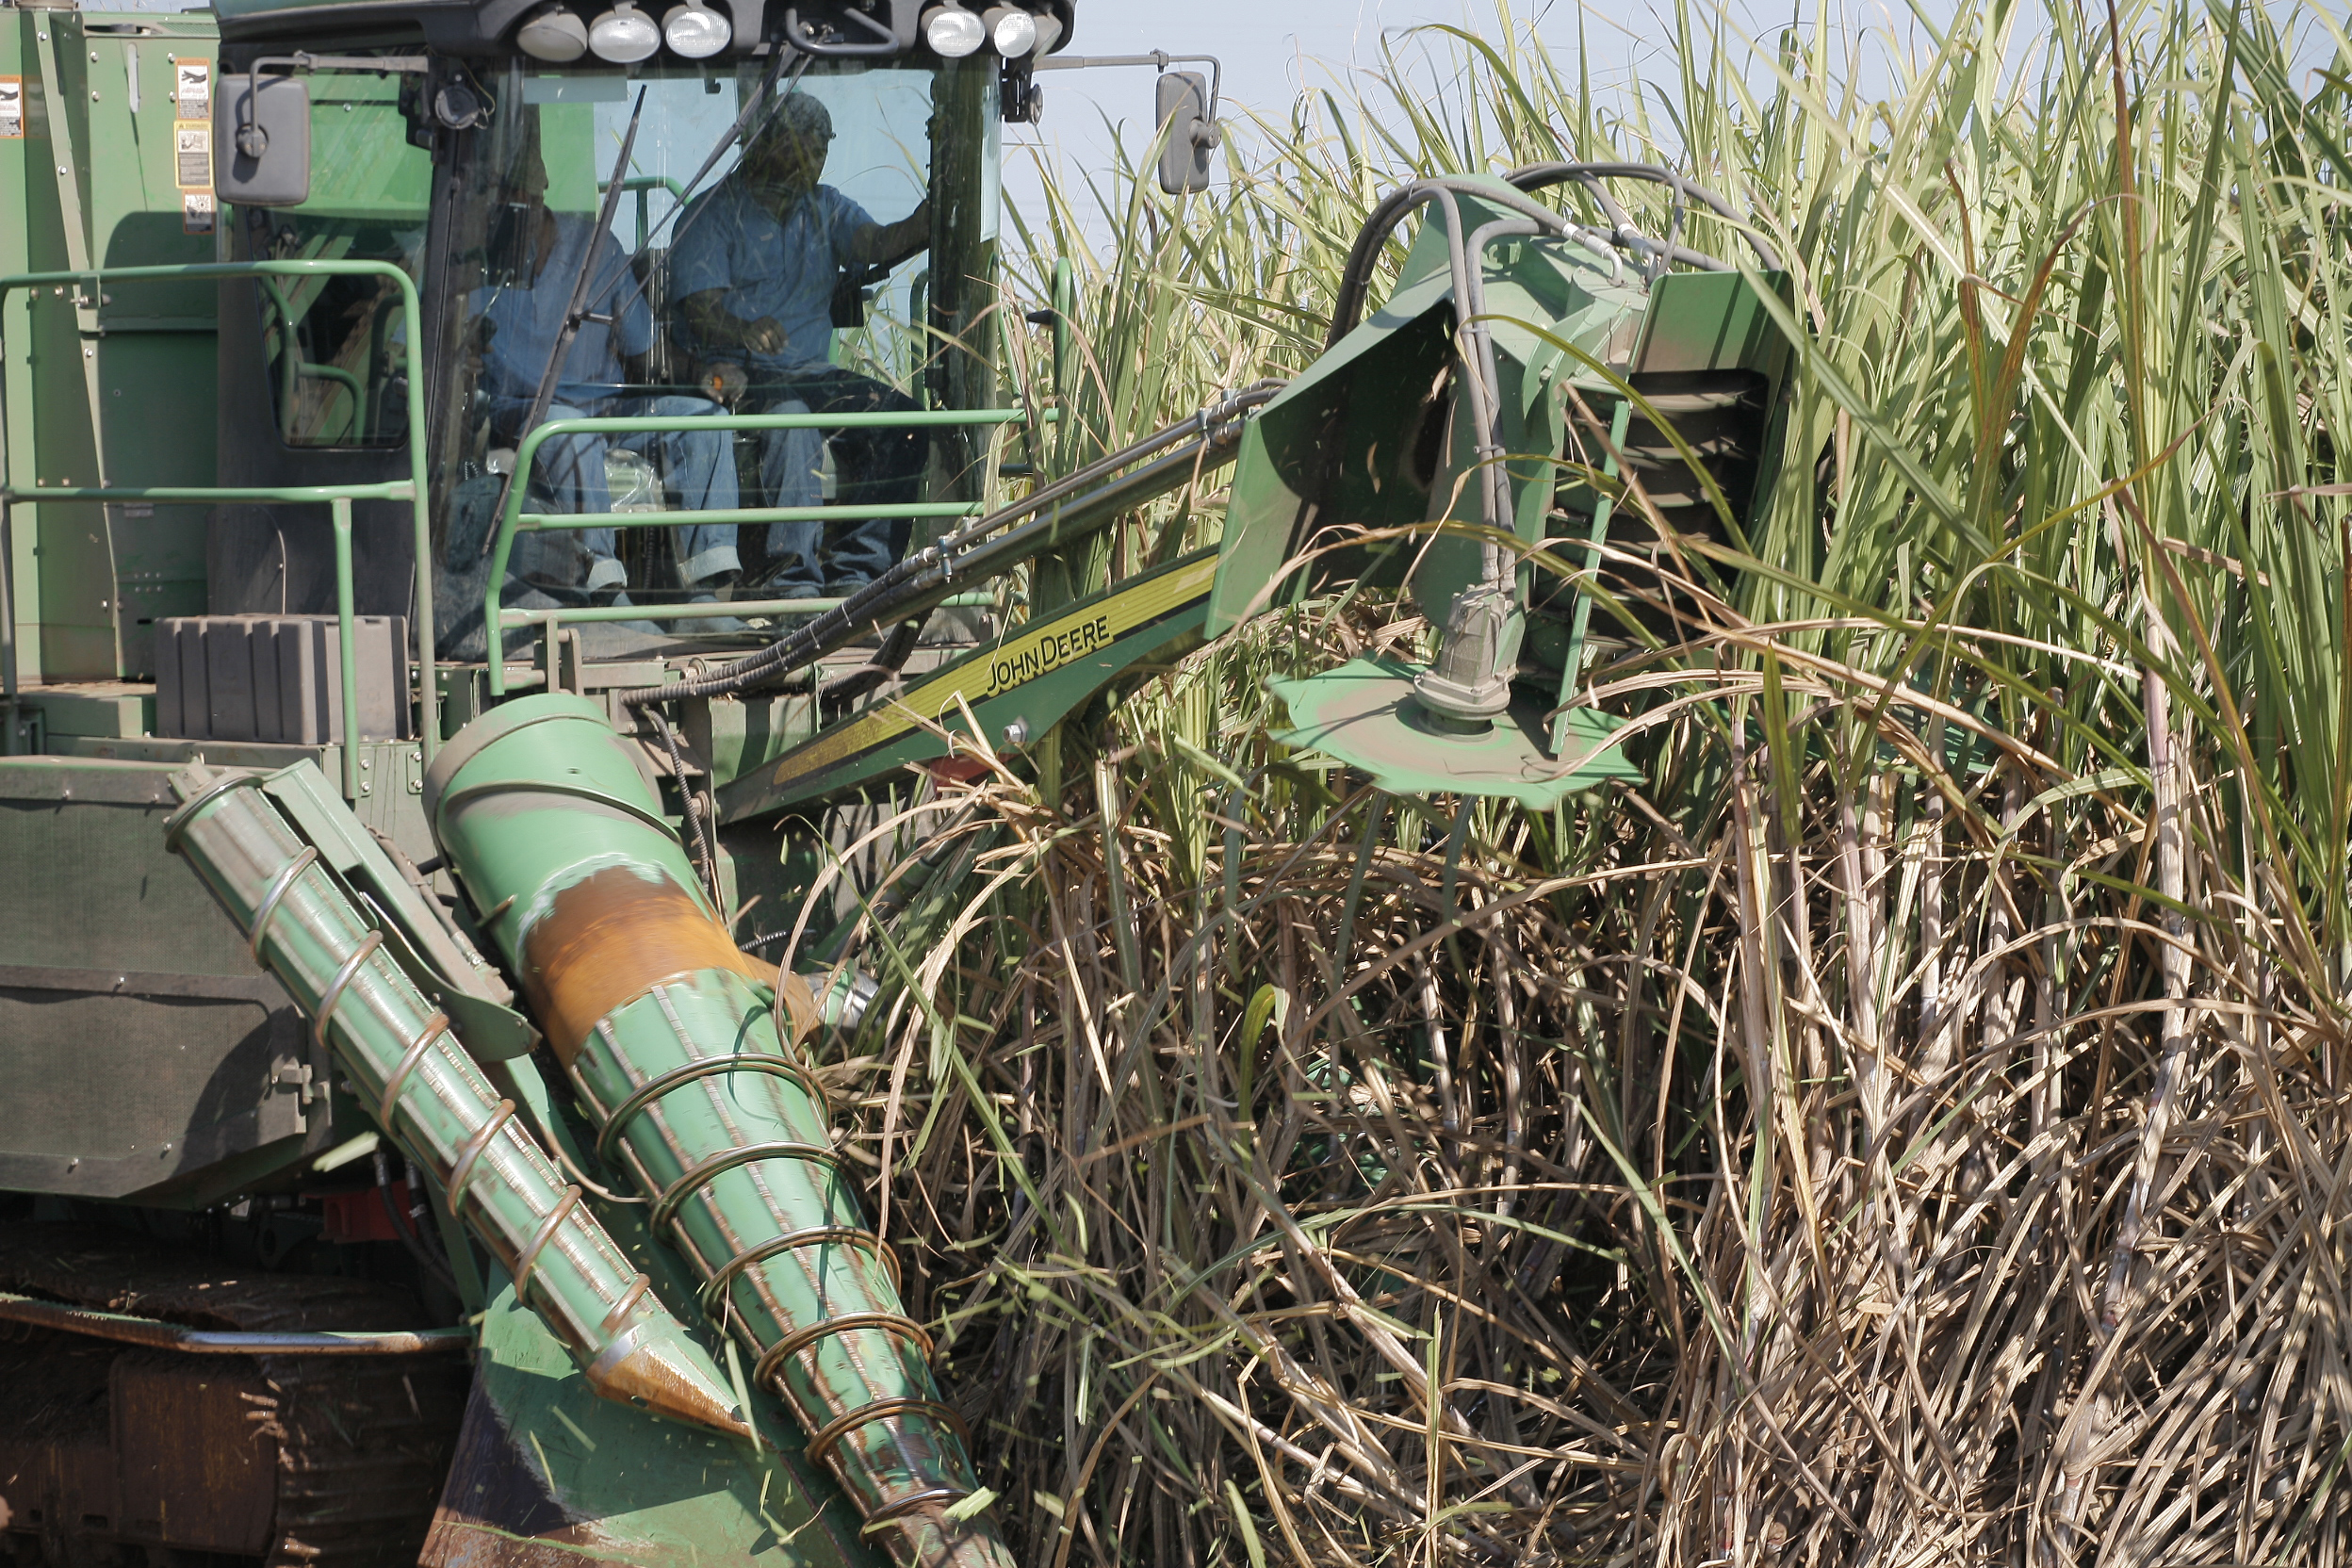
x=617 y=933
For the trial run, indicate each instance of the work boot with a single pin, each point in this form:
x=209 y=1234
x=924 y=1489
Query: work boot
x=713 y=589
x=708 y=623
x=620 y=597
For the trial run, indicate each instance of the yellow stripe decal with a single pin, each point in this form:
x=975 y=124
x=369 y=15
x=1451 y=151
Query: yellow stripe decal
x=1026 y=654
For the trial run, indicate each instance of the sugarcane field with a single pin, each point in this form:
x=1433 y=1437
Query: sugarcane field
x=1385 y=784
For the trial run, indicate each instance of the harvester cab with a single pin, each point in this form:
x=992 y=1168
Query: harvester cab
x=491 y=489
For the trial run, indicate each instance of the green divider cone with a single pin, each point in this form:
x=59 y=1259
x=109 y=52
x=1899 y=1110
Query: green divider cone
x=434 y=1102
x=670 y=1040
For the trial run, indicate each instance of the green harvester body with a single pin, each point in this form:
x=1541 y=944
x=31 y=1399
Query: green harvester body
x=322 y=999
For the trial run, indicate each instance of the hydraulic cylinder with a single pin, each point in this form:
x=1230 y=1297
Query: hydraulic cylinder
x=433 y=1102
x=676 y=1047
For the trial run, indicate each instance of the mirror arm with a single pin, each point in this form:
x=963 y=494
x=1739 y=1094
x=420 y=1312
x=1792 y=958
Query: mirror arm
x=251 y=140
x=1159 y=58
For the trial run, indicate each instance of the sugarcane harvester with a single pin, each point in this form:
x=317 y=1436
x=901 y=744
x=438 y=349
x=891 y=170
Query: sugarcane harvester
x=498 y=495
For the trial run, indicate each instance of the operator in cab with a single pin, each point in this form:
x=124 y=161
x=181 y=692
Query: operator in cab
x=754 y=270
x=516 y=322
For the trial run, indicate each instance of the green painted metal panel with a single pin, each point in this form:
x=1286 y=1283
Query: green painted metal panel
x=1712 y=321
x=1349 y=444
x=16 y=391
x=112 y=709
x=86 y=886
x=735 y=735
x=70 y=574
x=1364 y=713
x=547 y=1460
x=111 y=390
x=138 y=1046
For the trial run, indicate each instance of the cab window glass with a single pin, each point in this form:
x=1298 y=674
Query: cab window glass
x=716 y=286
x=333 y=347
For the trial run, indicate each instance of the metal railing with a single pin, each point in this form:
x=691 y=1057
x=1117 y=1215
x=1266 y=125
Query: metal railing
x=337 y=498
x=293 y=369
x=497 y=619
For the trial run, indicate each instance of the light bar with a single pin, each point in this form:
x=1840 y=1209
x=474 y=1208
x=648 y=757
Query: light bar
x=623 y=35
x=953 y=32
x=696 y=31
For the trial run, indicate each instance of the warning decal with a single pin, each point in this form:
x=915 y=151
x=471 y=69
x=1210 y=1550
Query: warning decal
x=196 y=212
x=192 y=83
x=192 y=143
x=11 y=108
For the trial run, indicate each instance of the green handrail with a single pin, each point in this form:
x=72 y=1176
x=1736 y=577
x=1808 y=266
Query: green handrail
x=537 y=522
x=706 y=609
x=296 y=366
x=337 y=498
x=494 y=616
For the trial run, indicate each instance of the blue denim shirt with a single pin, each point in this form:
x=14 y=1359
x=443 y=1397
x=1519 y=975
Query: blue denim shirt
x=729 y=240
x=528 y=320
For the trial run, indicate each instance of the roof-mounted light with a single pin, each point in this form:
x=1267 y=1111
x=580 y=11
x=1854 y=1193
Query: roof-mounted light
x=623 y=35
x=1012 y=32
x=696 y=31
x=953 y=32
x=554 y=35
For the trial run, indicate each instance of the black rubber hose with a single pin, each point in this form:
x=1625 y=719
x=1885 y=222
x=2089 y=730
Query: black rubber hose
x=1536 y=176
x=1355 y=278
x=411 y=1239
x=888 y=660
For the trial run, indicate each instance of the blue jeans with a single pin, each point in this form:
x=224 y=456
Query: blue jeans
x=698 y=463
x=873 y=467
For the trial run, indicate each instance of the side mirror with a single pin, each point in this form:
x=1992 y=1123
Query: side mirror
x=261 y=141
x=1185 y=121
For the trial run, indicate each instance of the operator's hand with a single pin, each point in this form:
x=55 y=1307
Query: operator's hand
x=725 y=382
x=477 y=344
x=764 y=336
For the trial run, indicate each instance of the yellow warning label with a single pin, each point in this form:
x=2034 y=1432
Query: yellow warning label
x=191 y=145
x=191 y=89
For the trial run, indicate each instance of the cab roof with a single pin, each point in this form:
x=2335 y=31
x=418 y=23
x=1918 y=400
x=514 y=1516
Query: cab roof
x=849 y=29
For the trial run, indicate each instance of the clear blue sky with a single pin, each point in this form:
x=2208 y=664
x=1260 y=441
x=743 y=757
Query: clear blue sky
x=1274 y=49
x=1271 y=51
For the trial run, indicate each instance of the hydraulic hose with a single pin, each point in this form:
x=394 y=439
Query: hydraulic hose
x=1355 y=276
x=1537 y=176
